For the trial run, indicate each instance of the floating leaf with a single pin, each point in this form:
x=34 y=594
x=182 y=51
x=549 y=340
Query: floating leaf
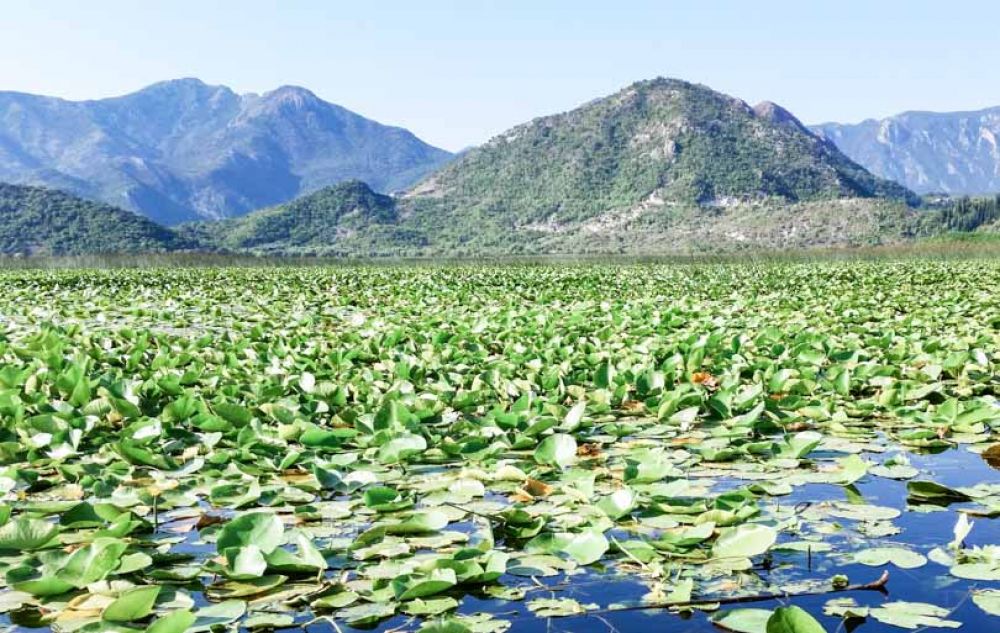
x=556 y=450
x=133 y=604
x=268 y=621
x=26 y=534
x=898 y=556
x=174 y=622
x=744 y=541
x=793 y=620
x=931 y=492
x=913 y=615
x=207 y=618
x=742 y=620
x=988 y=600
x=555 y=607
x=260 y=529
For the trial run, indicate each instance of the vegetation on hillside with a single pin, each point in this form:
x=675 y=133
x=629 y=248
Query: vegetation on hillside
x=315 y=221
x=39 y=221
x=964 y=214
x=182 y=150
x=661 y=167
x=660 y=141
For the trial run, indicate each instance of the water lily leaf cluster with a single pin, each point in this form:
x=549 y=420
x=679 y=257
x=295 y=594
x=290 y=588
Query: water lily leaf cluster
x=450 y=448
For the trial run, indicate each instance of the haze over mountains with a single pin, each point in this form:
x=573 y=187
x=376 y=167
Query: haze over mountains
x=940 y=152
x=660 y=166
x=183 y=150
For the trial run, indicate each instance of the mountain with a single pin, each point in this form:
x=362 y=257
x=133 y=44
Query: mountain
x=661 y=166
x=929 y=152
x=314 y=223
x=183 y=150
x=39 y=221
x=667 y=139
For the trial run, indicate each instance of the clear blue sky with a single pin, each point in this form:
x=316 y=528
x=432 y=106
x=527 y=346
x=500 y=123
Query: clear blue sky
x=458 y=72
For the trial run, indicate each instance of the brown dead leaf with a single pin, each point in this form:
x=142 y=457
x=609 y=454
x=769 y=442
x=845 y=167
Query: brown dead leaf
x=992 y=456
x=685 y=440
x=520 y=496
x=295 y=475
x=537 y=488
x=206 y=520
x=729 y=585
x=590 y=449
x=704 y=378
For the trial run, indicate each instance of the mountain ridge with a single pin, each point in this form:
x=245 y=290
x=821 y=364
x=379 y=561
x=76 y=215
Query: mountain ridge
x=659 y=165
x=182 y=149
x=955 y=153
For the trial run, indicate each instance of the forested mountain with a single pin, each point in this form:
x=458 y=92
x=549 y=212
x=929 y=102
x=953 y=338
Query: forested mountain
x=38 y=221
x=660 y=166
x=312 y=223
x=183 y=150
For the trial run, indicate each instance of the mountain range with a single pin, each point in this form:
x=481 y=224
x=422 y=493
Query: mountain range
x=929 y=152
x=661 y=166
x=183 y=150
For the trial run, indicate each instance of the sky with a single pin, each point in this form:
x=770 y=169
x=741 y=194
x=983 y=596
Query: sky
x=457 y=73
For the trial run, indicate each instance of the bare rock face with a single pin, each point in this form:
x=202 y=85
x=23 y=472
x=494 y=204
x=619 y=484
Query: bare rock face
x=774 y=113
x=929 y=152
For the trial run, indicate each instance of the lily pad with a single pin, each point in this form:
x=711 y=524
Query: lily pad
x=744 y=541
x=898 y=556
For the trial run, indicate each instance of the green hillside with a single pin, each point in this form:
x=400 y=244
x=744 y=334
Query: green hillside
x=674 y=140
x=313 y=224
x=661 y=166
x=39 y=221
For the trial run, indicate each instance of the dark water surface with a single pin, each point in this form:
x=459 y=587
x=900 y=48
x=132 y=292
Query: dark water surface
x=922 y=531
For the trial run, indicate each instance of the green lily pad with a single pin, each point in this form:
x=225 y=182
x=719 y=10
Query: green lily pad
x=913 y=615
x=744 y=541
x=26 y=534
x=793 y=620
x=263 y=530
x=898 y=556
x=133 y=604
x=556 y=450
x=988 y=600
x=742 y=620
x=174 y=622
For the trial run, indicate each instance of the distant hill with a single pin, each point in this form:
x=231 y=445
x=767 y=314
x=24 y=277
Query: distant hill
x=38 y=221
x=660 y=166
x=943 y=152
x=183 y=150
x=316 y=223
x=676 y=141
